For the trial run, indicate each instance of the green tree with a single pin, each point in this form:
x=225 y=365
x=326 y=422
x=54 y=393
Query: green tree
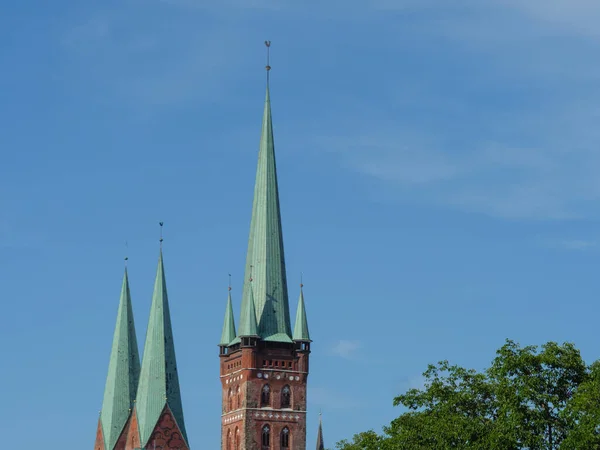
x=529 y=398
x=583 y=414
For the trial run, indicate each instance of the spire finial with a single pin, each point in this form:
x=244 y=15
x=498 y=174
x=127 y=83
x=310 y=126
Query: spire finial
x=126 y=252
x=229 y=288
x=161 y=233
x=301 y=282
x=268 y=67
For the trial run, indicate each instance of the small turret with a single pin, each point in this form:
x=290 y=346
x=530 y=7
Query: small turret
x=301 y=334
x=228 y=334
x=248 y=333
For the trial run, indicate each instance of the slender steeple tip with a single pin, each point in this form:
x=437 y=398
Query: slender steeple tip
x=320 y=442
x=123 y=372
x=228 y=334
x=265 y=257
x=301 y=333
x=159 y=381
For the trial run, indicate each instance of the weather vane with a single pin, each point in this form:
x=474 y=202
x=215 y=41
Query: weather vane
x=229 y=282
x=161 y=233
x=268 y=67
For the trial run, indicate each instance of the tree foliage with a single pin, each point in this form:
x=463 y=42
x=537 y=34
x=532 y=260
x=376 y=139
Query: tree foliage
x=529 y=398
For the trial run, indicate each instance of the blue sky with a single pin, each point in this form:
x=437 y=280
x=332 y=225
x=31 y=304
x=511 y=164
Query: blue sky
x=438 y=165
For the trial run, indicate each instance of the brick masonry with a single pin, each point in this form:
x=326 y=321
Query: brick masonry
x=247 y=371
x=166 y=434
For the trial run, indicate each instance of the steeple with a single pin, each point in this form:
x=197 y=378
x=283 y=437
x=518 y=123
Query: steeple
x=320 y=443
x=248 y=325
x=228 y=333
x=158 y=390
x=123 y=373
x=265 y=256
x=301 y=327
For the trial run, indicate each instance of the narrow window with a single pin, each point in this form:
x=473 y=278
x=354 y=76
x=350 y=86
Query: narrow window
x=229 y=400
x=228 y=440
x=286 y=397
x=266 y=437
x=239 y=398
x=285 y=438
x=236 y=442
x=265 y=397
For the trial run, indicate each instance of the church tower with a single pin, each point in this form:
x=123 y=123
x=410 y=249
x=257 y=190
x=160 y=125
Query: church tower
x=264 y=366
x=142 y=407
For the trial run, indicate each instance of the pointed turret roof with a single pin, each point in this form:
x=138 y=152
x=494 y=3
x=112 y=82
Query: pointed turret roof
x=248 y=324
x=159 y=381
x=301 y=327
x=320 y=443
x=123 y=372
x=265 y=260
x=228 y=333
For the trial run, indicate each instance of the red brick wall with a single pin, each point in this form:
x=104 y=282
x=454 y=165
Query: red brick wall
x=250 y=369
x=166 y=434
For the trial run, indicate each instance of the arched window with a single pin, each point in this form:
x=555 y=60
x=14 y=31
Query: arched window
x=265 y=396
x=266 y=437
x=229 y=400
x=228 y=445
x=286 y=397
x=285 y=438
x=239 y=398
x=236 y=439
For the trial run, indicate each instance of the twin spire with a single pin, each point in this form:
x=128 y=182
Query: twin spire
x=265 y=311
x=123 y=373
x=149 y=391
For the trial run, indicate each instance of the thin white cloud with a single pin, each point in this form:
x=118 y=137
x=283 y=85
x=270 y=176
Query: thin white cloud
x=570 y=244
x=346 y=348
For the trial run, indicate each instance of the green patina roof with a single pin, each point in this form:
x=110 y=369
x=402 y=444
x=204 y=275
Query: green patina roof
x=320 y=443
x=123 y=372
x=301 y=328
x=248 y=324
x=265 y=262
x=228 y=333
x=159 y=382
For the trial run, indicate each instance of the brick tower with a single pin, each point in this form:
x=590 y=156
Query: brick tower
x=264 y=366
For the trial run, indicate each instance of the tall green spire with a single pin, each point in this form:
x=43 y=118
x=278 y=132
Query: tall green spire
x=159 y=382
x=123 y=372
x=320 y=442
x=248 y=325
x=265 y=260
x=228 y=333
x=301 y=327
